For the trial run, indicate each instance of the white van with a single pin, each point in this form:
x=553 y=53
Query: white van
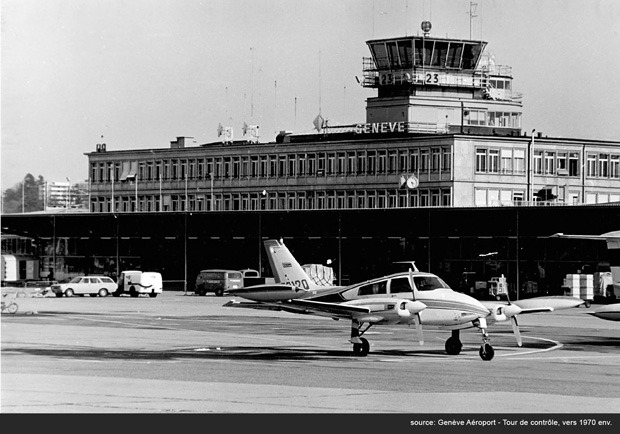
x=135 y=283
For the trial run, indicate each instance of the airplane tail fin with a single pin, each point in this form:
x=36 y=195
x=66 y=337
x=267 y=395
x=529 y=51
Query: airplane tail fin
x=285 y=267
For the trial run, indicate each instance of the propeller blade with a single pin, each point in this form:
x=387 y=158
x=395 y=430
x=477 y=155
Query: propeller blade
x=418 y=328
x=515 y=330
x=411 y=283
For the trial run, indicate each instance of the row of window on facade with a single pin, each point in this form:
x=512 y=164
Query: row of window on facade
x=492 y=119
x=503 y=197
x=267 y=166
x=18 y=245
x=601 y=165
x=331 y=199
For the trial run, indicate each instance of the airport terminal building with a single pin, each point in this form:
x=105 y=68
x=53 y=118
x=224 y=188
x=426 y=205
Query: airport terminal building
x=440 y=172
x=443 y=131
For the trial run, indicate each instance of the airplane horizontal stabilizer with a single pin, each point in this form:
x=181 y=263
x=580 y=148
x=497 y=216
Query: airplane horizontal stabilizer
x=253 y=305
x=268 y=292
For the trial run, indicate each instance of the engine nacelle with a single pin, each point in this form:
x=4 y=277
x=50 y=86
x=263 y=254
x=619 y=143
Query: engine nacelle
x=408 y=308
x=504 y=312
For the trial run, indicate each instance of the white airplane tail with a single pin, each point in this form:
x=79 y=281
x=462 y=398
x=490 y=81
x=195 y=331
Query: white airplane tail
x=285 y=267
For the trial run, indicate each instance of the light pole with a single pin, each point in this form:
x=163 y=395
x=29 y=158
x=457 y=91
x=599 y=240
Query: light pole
x=161 y=203
x=23 y=194
x=530 y=171
x=212 y=204
x=186 y=204
x=112 y=207
x=136 y=209
x=68 y=196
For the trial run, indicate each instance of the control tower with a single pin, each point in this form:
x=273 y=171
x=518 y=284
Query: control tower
x=440 y=85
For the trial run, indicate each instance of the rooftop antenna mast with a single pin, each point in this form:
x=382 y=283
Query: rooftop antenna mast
x=319 y=82
x=406 y=17
x=275 y=105
x=252 y=86
x=472 y=14
x=226 y=103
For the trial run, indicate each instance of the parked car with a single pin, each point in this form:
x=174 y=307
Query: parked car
x=135 y=283
x=217 y=281
x=81 y=285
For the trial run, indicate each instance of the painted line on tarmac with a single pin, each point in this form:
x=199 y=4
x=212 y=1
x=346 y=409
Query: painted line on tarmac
x=467 y=357
x=557 y=346
x=129 y=323
x=575 y=358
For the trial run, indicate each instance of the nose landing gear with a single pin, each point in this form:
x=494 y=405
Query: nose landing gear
x=486 y=350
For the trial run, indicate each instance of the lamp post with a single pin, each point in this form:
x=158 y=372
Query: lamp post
x=530 y=170
x=112 y=208
x=23 y=194
x=68 y=196
x=137 y=192
x=212 y=204
x=161 y=203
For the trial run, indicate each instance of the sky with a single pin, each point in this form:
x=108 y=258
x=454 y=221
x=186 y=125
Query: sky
x=136 y=74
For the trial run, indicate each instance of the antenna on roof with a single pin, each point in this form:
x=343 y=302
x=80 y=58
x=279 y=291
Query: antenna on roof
x=472 y=14
x=275 y=107
x=252 y=87
x=319 y=82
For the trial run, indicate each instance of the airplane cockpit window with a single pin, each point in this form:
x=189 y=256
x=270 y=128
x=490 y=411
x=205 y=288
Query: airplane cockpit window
x=428 y=283
x=373 y=288
x=400 y=284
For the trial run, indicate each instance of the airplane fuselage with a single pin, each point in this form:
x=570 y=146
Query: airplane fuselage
x=444 y=307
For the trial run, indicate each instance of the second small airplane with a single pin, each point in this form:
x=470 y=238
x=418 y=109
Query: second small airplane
x=412 y=297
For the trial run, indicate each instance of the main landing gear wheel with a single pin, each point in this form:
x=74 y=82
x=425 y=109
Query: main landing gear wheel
x=486 y=352
x=361 y=349
x=453 y=346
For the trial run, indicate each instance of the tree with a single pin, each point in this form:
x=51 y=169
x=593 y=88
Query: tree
x=23 y=196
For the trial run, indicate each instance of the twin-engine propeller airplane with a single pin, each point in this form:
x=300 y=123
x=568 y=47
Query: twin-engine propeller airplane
x=412 y=297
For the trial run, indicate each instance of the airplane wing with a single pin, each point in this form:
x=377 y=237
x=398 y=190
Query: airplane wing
x=510 y=310
x=547 y=304
x=373 y=311
x=308 y=307
x=615 y=235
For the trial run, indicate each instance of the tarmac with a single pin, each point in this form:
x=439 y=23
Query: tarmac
x=180 y=353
